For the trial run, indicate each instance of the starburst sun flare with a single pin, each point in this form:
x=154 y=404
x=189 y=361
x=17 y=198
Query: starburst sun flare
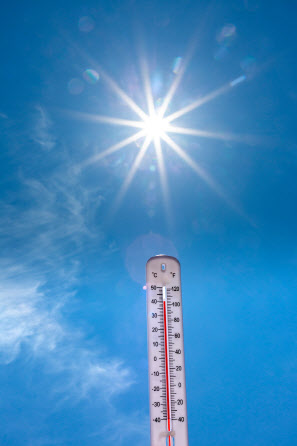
x=154 y=128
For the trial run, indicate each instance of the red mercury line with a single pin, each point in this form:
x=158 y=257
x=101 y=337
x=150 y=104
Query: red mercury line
x=167 y=364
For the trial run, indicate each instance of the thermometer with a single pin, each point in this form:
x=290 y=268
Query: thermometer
x=167 y=383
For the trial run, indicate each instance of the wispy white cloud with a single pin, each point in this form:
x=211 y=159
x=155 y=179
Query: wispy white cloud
x=45 y=225
x=32 y=322
x=24 y=320
x=49 y=221
x=42 y=129
x=124 y=427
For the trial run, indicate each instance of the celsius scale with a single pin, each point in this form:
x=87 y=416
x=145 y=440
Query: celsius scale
x=167 y=383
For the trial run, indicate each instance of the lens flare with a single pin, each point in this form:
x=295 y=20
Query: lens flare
x=91 y=76
x=154 y=127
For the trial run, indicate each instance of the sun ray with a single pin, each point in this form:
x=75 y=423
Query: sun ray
x=202 y=173
x=147 y=87
x=195 y=166
x=200 y=101
x=111 y=83
x=174 y=86
x=163 y=177
x=105 y=119
x=113 y=148
x=131 y=174
x=248 y=139
x=191 y=50
x=114 y=86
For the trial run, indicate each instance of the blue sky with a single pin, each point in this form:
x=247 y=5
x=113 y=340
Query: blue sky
x=73 y=355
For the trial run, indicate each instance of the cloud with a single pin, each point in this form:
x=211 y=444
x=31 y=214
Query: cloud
x=24 y=320
x=31 y=322
x=47 y=221
x=124 y=427
x=42 y=129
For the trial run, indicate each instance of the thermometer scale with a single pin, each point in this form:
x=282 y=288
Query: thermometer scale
x=167 y=383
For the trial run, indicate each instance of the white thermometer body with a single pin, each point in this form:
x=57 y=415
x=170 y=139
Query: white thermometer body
x=167 y=383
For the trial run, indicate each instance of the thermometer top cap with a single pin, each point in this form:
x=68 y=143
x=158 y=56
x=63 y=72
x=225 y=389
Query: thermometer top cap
x=164 y=256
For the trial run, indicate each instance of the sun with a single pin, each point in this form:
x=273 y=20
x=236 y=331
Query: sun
x=154 y=127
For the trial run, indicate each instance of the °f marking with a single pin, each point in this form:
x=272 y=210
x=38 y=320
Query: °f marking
x=167 y=365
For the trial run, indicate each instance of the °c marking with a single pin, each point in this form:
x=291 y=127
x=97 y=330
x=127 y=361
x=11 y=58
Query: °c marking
x=154 y=274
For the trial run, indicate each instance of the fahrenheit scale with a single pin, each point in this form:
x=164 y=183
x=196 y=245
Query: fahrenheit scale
x=167 y=383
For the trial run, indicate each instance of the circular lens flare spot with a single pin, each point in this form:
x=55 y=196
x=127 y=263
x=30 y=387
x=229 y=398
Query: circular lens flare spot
x=86 y=24
x=75 y=86
x=91 y=76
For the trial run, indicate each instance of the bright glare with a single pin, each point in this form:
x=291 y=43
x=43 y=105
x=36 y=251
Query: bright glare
x=155 y=126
